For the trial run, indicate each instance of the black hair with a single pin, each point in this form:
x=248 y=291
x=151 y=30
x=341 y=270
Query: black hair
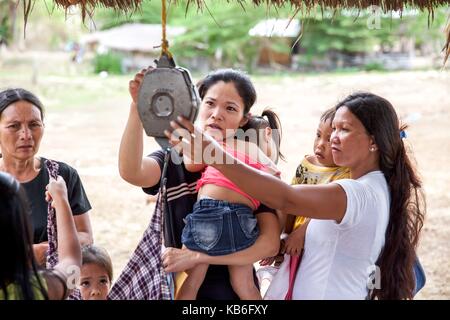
x=99 y=256
x=16 y=241
x=328 y=115
x=241 y=81
x=10 y=96
x=268 y=119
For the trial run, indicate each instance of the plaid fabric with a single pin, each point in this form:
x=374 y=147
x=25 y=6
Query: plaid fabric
x=143 y=277
x=75 y=295
x=52 y=252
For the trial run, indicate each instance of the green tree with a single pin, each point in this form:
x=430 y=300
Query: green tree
x=219 y=32
x=8 y=20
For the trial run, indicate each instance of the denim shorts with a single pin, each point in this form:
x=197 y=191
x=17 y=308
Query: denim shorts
x=218 y=227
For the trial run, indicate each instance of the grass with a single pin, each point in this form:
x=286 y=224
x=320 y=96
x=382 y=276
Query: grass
x=66 y=92
x=62 y=85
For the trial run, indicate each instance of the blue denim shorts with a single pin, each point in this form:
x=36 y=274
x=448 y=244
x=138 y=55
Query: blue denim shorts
x=218 y=227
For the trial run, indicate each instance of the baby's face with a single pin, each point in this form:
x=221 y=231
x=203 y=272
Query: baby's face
x=94 y=282
x=322 y=145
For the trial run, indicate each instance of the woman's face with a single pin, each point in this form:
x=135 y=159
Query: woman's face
x=350 y=142
x=21 y=130
x=221 y=111
x=94 y=282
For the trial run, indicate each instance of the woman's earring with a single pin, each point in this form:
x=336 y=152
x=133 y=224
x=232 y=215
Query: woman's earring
x=372 y=149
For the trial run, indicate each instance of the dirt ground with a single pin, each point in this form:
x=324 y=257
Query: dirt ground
x=86 y=116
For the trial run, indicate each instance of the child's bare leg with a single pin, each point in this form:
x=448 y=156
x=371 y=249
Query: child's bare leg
x=243 y=283
x=191 y=285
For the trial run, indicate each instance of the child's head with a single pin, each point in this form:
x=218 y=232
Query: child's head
x=96 y=273
x=227 y=96
x=267 y=129
x=322 y=145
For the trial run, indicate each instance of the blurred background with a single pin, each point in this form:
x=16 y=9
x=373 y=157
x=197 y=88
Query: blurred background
x=229 y=34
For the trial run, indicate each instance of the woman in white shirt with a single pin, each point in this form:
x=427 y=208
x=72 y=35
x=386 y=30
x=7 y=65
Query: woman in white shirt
x=364 y=231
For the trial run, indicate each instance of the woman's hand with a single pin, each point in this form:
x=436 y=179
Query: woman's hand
x=56 y=191
x=40 y=252
x=135 y=84
x=176 y=260
x=295 y=242
x=198 y=147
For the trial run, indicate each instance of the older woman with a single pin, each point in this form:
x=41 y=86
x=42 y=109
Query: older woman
x=370 y=222
x=21 y=131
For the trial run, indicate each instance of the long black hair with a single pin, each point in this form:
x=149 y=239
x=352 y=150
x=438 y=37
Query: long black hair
x=18 y=264
x=407 y=207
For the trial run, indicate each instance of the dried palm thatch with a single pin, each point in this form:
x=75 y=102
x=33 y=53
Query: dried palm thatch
x=128 y=6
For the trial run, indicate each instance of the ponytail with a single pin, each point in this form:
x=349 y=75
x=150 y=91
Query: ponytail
x=268 y=119
x=275 y=125
x=406 y=218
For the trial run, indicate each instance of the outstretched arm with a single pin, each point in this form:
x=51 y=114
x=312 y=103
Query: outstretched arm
x=69 y=250
x=133 y=167
x=314 y=201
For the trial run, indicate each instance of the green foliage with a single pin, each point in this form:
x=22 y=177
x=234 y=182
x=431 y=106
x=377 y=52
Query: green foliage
x=341 y=33
x=150 y=12
x=423 y=29
x=220 y=28
x=374 y=66
x=219 y=32
x=5 y=21
x=110 y=62
x=224 y=34
x=353 y=33
x=55 y=27
x=4 y=31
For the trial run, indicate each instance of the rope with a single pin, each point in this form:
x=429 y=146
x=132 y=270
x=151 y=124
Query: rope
x=165 y=43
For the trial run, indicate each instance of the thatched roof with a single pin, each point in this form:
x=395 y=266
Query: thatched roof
x=385 y=4
x=129 y=6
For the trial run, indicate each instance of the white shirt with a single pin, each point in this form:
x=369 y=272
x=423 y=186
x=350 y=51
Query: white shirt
x=339 y=257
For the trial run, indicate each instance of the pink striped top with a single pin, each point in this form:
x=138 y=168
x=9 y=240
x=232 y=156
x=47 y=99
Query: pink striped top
x=213 y=176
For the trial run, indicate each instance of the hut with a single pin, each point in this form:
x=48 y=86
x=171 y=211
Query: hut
x=282 y=31
x=127 y=41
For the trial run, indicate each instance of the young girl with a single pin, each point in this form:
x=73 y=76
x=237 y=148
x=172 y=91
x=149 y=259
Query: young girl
x=96 y=273
x=20 y=277
x=222 y=221
x=318 y=168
